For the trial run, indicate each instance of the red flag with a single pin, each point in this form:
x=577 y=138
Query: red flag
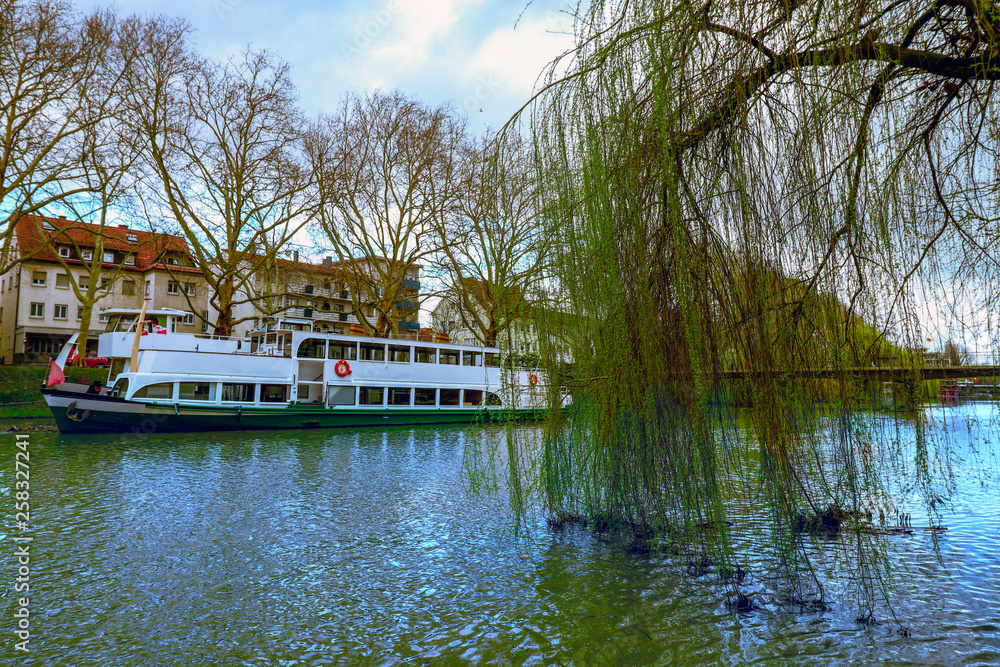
x=56 y=375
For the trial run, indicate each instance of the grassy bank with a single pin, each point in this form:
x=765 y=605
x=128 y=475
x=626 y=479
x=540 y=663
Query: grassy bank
x=20 y=388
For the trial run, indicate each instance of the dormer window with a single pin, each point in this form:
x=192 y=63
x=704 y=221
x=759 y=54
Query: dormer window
x=172 y=260
x=132 y=238
x=109 y=257
x=63 y=251
x=130 y=260
x=88 y=254
x=48 y=226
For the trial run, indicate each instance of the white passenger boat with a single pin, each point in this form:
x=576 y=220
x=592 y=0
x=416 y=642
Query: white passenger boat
x=282 y=376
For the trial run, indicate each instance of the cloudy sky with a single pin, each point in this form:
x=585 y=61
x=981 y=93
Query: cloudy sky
x=475 y=54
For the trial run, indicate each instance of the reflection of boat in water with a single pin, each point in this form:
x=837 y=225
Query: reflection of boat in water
x=953 y=390
x=283 y=376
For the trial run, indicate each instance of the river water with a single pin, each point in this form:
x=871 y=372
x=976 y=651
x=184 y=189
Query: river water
x=368 y=548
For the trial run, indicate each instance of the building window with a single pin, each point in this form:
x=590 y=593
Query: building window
x=38 y=310
x=188 y=319
x=79 y=312
x=106 y=285
x=103 y=317
x=38 y=278
x=148 y=287
x=189 y=289
x=62 y=281
x=60 y=311
x=109 y=257
x=128 y=287
x=83 y=282
x=63 y=251
x=88 y=255
x=130 y=260
x=173 y=288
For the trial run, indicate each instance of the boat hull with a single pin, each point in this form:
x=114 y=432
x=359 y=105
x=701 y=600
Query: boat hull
x=77 y=412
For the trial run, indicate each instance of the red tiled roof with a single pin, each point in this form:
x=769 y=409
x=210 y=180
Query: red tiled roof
x=306 y=266
x=148 y=247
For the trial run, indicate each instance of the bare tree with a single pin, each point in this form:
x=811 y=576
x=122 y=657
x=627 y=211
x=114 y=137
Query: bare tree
x=60 y=74
x=387 y=173
x=493 y=250
x=223 y=141
x=956 y=354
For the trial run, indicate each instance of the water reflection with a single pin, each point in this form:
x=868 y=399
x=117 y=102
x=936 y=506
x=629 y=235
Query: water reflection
x=364 y=547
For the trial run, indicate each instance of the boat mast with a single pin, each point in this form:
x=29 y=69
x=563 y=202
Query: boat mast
x=134 y=361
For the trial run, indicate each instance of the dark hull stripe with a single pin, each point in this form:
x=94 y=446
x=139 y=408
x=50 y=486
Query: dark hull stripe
x=219 y=418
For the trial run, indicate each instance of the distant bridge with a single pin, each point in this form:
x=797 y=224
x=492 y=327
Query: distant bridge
x=884 y=373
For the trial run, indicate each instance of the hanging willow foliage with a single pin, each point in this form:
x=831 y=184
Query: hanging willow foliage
x=745 y=194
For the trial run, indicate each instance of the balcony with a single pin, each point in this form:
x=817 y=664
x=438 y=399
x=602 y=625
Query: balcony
x=405 y=305
x=410 y=326
x=409 y=283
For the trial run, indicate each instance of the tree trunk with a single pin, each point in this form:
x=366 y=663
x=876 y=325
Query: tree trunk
x=224 y=323
x=86 y=313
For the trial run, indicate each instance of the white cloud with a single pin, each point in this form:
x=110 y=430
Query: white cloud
x=515 y=57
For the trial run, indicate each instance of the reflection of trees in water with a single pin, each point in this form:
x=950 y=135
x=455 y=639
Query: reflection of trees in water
x=761 y=187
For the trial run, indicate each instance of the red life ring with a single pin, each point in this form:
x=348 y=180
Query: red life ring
x=342 y=368
x=533 y=379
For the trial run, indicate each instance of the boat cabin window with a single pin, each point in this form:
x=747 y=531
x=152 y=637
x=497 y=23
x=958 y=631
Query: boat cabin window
x=340 y=396
x=450 y=396
x=449 y=357
x=372 y=352
x=473 y=398
x=399 y=396
x=492 y=359
x=273 y=393
x=120 y=322
x=312 y=348
x=399 y=353
x=117 y=367
x=237 y=392
x=492 y=399
x=158 y=391
x=196 y=391
x=426 y=355
x=425 y=397
x=472 y=359
x=338 y=350
x=370 y=395
x=120 y=388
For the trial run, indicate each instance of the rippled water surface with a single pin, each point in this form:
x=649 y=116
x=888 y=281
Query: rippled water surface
x=365 y=547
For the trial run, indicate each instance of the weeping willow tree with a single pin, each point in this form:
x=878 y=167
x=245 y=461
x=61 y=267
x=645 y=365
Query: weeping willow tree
x=745 y=194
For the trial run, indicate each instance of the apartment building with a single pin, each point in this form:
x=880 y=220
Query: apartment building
x=320 y=296
x=39 y=309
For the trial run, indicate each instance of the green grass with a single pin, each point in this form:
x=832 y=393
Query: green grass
x=25 y=411
x=22 y=384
